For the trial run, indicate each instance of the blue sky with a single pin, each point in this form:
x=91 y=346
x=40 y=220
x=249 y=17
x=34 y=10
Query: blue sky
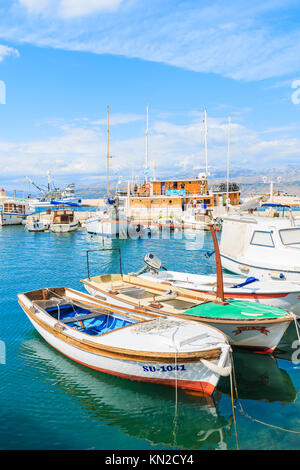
x=64 y=61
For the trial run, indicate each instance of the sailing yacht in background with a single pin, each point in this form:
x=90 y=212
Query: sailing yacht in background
x=106 y=221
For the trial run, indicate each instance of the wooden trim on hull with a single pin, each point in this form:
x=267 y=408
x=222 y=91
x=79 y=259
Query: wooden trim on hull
x=247 y=295
x=120 y=353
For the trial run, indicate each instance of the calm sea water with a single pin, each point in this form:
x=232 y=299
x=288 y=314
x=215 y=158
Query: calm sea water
x=49 y=402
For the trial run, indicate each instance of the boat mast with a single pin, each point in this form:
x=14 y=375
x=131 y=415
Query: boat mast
x=154 y=168
x=205 y=142
x=146 y=147
x=220 y=286
x=107 y=155
x=228 y=160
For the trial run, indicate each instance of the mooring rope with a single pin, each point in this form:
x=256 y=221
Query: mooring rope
x=246 y=415
x=232 y=400
x=175 y=420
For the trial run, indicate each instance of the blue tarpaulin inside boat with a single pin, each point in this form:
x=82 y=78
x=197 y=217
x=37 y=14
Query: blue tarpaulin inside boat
x=99 y=324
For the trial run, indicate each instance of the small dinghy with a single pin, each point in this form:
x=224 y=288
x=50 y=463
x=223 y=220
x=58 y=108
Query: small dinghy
x=129 y=343
x=37 y=225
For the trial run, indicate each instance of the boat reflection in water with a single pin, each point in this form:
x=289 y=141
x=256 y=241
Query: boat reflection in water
x=289 y=347
x=145 y=411
x=149 y=412
x=258 y=377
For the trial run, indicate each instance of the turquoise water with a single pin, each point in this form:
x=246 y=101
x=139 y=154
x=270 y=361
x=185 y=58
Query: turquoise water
x=49 y=402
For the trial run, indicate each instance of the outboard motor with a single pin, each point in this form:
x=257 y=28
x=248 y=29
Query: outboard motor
x=152 y=262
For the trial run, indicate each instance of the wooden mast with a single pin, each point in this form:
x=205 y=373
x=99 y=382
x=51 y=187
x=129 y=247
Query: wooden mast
x=107 y=156
x=220 y=286
x=205 y=143
x=228 y=162
x=146 y=146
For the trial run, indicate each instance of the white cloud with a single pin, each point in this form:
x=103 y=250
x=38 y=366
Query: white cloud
x=255 y=42
x=35 y=6
x=119 y=118
x=76 y=8
x=81 y=150
x=70 y=8
x=7 y=51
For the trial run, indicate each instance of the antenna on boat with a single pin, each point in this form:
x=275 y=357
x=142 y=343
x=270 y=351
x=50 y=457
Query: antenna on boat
x=107 y=155
x=220 y=287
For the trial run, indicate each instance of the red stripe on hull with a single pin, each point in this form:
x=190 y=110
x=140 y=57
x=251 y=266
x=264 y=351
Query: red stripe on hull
x=204 y=387
x=247 y=296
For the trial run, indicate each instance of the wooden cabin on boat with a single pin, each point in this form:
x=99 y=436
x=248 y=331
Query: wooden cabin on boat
x=64 y=220
x=13 y=211
x=176 y=196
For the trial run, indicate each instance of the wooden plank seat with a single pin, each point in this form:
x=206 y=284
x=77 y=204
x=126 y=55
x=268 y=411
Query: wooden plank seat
x=83 y=317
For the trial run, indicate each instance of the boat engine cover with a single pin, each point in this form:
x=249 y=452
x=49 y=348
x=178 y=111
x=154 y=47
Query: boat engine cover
x=152 y=261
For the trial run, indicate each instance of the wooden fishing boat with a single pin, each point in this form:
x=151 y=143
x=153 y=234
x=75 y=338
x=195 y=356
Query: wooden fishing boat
x=256 y=327
x=64 y=220
x=282 y=294
x=138 y=346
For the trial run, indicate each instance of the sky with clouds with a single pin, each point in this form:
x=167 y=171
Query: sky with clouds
x=63 y=61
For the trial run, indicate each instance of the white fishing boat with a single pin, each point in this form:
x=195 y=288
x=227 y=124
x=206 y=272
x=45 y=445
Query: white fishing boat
x=37 y=225
x=63 y=220
x=142 y=347
x=13 y=211
x=262 y=247
x=52 y=195
x=285 y=295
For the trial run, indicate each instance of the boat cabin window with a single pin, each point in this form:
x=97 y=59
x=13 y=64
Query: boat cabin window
x=262 y=239
x=290 y=236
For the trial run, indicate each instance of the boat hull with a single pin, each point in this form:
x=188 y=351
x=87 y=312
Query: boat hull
x=11 y=218
x=103 y=228
x=259 y=271
x=63 y=228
